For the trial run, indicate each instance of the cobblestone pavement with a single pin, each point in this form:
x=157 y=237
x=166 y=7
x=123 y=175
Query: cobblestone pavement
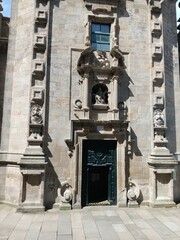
x=91 y=223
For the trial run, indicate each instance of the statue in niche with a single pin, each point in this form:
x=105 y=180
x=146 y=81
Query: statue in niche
x=36 y=114
x=100 y=94
x=158 y=118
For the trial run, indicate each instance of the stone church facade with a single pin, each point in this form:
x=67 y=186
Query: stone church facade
x=91 y=105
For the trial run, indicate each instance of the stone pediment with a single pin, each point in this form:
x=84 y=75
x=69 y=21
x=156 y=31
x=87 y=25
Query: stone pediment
x=100 y=61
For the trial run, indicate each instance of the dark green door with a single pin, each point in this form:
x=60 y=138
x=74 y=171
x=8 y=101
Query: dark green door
x=99 y=172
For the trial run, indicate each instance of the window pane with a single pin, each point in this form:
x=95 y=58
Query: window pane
x=105 y=28
x=104 y=47
x=96 y=37
x=105 y=38
x=95 y=27
x=93 y=37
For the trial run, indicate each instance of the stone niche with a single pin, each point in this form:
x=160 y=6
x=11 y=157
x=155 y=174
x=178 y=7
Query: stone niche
x=100 y=75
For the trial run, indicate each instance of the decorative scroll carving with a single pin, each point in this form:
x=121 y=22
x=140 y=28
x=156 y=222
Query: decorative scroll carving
x=36 y=114
x=134 y=191
x=158 y=118
x=78 y=104
x=65 y=192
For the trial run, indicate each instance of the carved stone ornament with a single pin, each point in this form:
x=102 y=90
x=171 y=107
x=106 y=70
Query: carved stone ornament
x=78 y=104
x=102 y=58
x=158 y=118
x=99 y=61
x=35 y=133
x=134 y=191
x=65 y=192
x=118 y=58
x=36 y=114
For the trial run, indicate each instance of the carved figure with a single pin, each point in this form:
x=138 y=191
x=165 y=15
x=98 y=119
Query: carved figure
x=158 y=118
x=100 y=96
x=118 y=58
x=36 y=114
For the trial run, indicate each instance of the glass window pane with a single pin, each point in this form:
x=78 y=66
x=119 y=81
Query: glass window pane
x=105 y=38
x=95 y=27
x=93 y=37
x=105 y=28
x=100 y=36
x=96 y=38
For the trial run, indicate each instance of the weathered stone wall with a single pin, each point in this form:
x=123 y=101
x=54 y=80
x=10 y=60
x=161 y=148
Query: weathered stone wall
x=16 y=94
x=68 y=23
x=4 y=31
x=18 y=78
x=67 y=41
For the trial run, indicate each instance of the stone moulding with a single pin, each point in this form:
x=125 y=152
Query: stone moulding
x=103 y=6
x=38 y=68
x=84 y=127
x=158 y=75
x=41 y=16
x=40 y=41
x=89 y=130
x=157 y=51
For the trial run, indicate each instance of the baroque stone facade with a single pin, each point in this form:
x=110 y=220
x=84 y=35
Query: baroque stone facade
x=91 y=105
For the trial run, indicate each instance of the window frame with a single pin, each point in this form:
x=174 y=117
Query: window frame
x=100 y=44
x=101 y=20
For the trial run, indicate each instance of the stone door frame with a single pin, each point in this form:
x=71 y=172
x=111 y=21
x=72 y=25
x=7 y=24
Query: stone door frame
x=121 y=155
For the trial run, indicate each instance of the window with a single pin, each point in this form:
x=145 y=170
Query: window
x=100 y=36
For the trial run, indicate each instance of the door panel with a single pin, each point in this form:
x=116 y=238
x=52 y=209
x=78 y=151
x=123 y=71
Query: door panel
x=99 y=172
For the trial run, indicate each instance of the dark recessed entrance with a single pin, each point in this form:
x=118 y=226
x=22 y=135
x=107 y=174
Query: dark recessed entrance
x=99 y=172
x=98 y=184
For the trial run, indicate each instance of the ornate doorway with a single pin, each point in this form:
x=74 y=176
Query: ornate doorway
x=99 y=178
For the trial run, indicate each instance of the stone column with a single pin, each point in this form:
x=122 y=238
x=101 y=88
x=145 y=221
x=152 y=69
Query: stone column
x=86 y=95
x=115 y=97
x=115 y=78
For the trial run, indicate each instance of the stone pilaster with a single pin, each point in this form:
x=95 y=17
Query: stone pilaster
x=161 y=161
x=32 y=164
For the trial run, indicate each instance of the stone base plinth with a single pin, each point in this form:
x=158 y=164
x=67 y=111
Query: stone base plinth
x=162 y=204
x=65 y=206
x=30 y=208
x=133 y=204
